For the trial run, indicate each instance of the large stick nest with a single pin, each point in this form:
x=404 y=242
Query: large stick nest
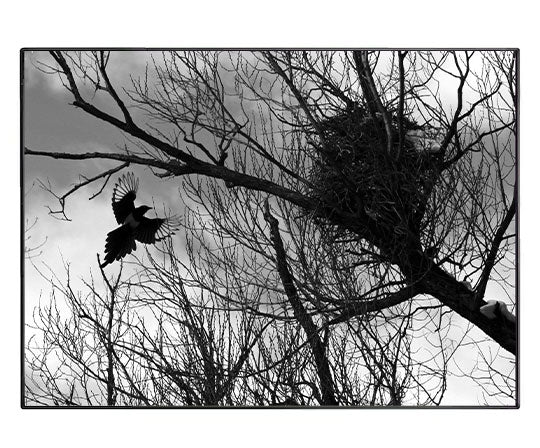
x=354 y=172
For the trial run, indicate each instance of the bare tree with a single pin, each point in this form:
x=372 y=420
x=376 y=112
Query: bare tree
x=162 y=337
x=389 y=209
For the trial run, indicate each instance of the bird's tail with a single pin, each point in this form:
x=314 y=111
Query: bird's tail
x=120 y=242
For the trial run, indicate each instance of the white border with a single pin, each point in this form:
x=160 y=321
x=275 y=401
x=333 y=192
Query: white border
x=271 y=24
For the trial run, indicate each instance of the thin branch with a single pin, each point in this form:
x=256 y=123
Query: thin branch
x=87 y=181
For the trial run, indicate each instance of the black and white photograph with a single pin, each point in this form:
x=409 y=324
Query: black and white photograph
x=270 y=228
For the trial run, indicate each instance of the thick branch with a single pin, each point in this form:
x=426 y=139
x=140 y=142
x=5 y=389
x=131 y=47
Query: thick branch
x=315 y=342
x=452 y=128
x=401 y=105
x=461 y=300
x=128 y=158
x=103 y=69
x=492 y=254
x=218 y=172
x=360 y=308
x=128 y=126
x=370 y=90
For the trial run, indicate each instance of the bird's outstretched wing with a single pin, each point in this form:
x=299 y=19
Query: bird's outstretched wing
x=124 y=194
x=151 y=230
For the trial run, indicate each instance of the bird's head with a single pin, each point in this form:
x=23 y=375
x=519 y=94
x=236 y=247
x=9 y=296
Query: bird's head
x=143 y=209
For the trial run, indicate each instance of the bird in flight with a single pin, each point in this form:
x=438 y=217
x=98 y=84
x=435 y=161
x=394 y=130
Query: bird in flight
x=134 y=226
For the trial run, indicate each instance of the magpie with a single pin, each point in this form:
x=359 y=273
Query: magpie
x=134 y=226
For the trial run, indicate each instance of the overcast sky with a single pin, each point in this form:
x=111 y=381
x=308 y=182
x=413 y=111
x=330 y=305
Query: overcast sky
x=51 y=124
